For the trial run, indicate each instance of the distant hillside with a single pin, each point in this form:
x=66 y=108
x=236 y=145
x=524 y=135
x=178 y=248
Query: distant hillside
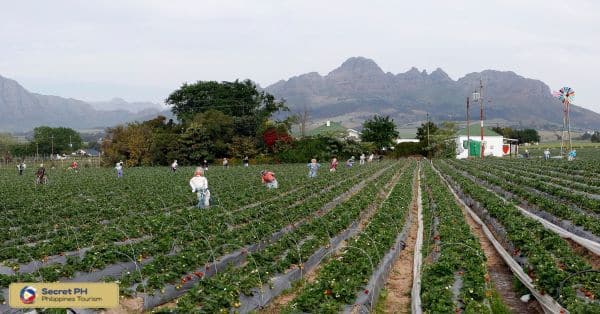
x=121 y=104
x=359 y=88
x=21 y=110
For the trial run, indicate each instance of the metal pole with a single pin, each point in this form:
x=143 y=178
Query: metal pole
x=428 y=129
x=569 y=128
x=52 y=151
x=468 y=130
x=481 y=114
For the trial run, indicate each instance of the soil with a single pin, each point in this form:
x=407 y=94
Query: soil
x=399 y=283
x=500 y=274
x=127 y=306
x=591 y=258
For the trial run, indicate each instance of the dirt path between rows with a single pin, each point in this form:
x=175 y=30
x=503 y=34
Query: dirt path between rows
x=400 y=281
x=500 y=274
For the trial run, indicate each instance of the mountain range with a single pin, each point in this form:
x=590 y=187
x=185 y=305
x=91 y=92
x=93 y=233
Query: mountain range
x=351 y=93
x=21 y=110
x=359 y=88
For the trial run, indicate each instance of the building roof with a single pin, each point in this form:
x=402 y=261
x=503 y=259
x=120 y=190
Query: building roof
x=334 y=129
x=475 y=130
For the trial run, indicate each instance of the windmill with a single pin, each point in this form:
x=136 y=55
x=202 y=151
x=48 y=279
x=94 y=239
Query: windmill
x=565 y=95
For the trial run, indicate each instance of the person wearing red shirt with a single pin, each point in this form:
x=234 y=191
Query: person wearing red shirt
x=268 y=178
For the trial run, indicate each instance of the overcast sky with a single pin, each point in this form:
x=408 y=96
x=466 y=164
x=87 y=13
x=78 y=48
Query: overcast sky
x=142 y=50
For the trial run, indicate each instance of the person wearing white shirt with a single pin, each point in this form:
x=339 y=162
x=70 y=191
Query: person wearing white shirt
x=199 y=185
x=174 y=166
x=119 y=167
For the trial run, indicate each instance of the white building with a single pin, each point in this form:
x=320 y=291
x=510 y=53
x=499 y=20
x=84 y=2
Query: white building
x=492 y=143
x=407 y=140
x=353 y=134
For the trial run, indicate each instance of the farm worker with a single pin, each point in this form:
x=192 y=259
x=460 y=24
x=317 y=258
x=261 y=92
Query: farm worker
x=74 y=166
x=572 y=155
x=371 y=157
x=350 y=162
x=205 y=164
x=313 y=166
x=40 y=173
x=362 y=159
x=225 y=163
x=547 y=154
x=245 y=161
x=174 y=166
x=268 y=178
x=526 y=153
x=199 y=185
x=119 y=167
x=20 y=168
x=333 y=165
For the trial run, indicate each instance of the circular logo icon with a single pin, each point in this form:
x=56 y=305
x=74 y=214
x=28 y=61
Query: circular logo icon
x=27 y=295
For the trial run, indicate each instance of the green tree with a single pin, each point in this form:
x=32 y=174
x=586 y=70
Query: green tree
x=425 y=130
x=441 y=139
x=595 y=138
x=58 y=140
x=207 y=136
x=380 y=131
x=236 y=99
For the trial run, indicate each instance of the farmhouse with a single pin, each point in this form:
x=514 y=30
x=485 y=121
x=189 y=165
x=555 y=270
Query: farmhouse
x=492 y=143
x=337 y=130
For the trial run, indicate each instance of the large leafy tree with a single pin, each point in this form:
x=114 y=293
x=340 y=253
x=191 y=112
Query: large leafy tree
x=438 y=141
x=57 y=140
x=207 y=136
x=241 y=100
x=380 y=131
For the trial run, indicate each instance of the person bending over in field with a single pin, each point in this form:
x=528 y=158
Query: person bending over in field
x=199 y=185
x=313 y=166
x=40 y=175
x=333 y=165
x=74 y=166
x=268 y=179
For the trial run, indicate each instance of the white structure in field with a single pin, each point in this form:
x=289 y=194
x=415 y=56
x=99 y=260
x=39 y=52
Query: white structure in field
x=493 y=142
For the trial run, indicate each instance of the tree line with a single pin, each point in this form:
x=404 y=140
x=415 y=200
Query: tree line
x=233 y=120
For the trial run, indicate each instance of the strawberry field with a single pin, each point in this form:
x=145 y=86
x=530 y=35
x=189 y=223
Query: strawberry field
x=477 y=236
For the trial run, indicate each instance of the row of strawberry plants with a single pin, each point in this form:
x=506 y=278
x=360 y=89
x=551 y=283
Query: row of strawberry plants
x=539 y=174
x=86 y=199
x=292 y=250
x=583 y=201
x=132 y=226
x=220 y=241
x=342 y=277
x=209 y=223
x=457 y=257
x=580 y=167
x=548 y=259
x=544 y=168
x=544 y=203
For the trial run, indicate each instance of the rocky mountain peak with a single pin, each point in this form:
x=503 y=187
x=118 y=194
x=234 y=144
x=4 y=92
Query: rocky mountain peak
x=439 y=75
x=357 y=66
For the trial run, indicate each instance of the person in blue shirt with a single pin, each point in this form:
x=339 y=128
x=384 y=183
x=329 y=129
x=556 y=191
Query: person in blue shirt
x=313 y=166
x=572 y=155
